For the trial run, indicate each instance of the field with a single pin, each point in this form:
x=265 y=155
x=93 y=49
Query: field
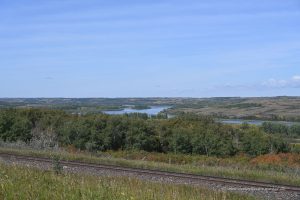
x=26 y=183
x=270 y=108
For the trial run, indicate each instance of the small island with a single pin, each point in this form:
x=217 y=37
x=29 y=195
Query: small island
x=140 y=107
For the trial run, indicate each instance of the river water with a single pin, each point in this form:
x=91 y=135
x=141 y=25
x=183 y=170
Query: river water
x=254 y=122
x=154 y=110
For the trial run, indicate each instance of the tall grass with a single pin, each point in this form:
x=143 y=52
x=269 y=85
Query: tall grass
x=230 y=167
x=26 y=183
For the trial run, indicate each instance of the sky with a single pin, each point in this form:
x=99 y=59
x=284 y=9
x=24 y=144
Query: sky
x=157 y=48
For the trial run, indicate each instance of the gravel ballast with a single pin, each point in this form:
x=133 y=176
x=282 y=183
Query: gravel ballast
x=260 y=193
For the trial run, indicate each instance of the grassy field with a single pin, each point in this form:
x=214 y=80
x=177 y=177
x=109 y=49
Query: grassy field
x=26 y=183
x=265 y=108
x=271 y=168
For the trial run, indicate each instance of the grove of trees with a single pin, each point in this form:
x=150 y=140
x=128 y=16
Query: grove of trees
x=187 y=133
x=282 y=129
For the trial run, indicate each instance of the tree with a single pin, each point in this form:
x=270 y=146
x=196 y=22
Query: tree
x=181 y=141
x=255 y=142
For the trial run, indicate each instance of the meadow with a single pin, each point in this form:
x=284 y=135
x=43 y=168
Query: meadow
x=281 y=168
x=27 y=183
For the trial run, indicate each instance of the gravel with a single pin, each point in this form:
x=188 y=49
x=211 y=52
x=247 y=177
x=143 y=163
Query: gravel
x=260 y=193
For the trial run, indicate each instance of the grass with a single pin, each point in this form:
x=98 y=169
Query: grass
x=295 y=147
x=237 y=167
x=27 y=183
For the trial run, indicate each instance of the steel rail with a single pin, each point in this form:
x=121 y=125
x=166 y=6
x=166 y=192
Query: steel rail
x=187 y=176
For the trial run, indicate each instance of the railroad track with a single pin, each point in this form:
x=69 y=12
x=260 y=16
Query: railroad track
x=186 y=176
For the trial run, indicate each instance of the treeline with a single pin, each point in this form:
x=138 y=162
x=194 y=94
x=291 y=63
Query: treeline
x=190 y=134
x=282 y=129
x=271 y=117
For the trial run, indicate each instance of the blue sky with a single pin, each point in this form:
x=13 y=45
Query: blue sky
x=191 y=48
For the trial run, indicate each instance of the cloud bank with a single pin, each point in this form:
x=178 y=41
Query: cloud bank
x=293 y=82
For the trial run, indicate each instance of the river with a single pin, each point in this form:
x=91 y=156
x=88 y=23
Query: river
x=153 y=110
x=254 y=122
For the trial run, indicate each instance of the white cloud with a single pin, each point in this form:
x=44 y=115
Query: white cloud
x=281 y=83
x=296 y=78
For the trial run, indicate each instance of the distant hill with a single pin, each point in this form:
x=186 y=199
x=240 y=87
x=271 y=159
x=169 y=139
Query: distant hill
x=271 y=108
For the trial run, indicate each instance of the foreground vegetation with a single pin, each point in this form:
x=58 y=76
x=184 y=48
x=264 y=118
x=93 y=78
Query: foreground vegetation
x=25 y=183
x=187 y=143
x=281 y=168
